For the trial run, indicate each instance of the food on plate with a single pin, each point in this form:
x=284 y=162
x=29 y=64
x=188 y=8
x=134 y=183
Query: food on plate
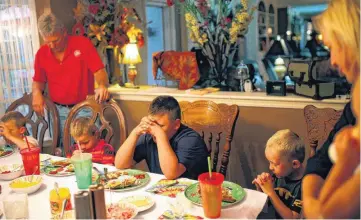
x=122 y=182
x=23 y=184
x=121 y=211
x=226 y=194
x=4 y=152
x=5 y=172
x=61 y=170
x=62 y=163
x=140 y=176
x=116 y=174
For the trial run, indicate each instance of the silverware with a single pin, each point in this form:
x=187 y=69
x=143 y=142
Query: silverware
x=96 y=169
x=63 y=208
x=32 y=175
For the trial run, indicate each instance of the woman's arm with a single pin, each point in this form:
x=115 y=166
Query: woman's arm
x=344 y=202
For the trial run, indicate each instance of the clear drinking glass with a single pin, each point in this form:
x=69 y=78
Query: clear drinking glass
x=16 y=206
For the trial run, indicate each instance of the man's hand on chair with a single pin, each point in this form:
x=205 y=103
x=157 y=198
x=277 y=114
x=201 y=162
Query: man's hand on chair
x=101 y=94
x=38 y=103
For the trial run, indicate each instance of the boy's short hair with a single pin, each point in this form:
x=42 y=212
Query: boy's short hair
x=165 y=105
x=288 y=143
x=19 y=118
x=81 y=126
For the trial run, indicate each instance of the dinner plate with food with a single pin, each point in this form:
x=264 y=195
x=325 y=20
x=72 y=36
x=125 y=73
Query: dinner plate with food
x=232 y=193
x=6 y=150
x=142 y=202
x=123 y=180
x=121 y=210
x=59 y=168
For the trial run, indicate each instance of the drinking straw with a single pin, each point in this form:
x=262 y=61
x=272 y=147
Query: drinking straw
x=81 y=153
x=209 y=167
x=27 y=142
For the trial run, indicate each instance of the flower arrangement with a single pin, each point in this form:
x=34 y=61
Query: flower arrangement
x=107 y=23
x=215 y=26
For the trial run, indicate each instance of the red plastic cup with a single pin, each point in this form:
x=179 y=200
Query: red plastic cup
x=31 y=160
x=211 y=192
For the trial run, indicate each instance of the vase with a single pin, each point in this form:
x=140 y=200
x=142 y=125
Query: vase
x=220 y=65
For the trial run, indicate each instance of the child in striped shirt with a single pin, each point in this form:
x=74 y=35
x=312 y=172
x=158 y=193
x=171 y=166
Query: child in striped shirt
x=86 y=134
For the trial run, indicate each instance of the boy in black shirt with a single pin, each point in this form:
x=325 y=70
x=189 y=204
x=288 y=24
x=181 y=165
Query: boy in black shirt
x=285 y=152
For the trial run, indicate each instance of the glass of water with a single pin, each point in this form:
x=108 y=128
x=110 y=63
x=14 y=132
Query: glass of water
x=16 y=206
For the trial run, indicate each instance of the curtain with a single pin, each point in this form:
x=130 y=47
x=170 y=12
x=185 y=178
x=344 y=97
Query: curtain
x=19 y=41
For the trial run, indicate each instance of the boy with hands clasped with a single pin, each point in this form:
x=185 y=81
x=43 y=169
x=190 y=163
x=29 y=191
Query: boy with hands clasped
x=285 y=152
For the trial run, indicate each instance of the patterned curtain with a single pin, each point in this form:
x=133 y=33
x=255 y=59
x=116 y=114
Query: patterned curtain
x=19 y=42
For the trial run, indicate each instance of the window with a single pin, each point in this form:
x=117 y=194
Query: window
x=19 y=41
x=162 y=35
x=155 y=37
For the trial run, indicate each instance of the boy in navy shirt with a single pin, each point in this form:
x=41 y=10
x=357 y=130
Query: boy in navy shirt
x=168 y=146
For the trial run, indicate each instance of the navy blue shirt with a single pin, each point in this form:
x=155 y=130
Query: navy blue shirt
x=188 y=146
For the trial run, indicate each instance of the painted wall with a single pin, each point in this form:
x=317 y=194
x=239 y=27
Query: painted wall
x=254 y=127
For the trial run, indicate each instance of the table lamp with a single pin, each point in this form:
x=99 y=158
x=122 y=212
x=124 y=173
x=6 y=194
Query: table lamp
x=131 y=57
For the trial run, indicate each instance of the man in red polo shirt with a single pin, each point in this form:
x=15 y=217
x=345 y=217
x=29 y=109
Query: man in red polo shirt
x=68 y=65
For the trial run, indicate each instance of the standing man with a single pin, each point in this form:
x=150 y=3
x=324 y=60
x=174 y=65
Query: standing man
x=68 y=66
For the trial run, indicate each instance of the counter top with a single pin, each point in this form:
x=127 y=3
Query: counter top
x=249 y=99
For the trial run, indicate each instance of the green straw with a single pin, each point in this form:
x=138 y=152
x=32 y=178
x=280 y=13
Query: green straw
x=209 y=167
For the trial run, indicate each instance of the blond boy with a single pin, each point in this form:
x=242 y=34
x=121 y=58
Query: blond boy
x=285 y=152
x=86 y=134
x=12 y=128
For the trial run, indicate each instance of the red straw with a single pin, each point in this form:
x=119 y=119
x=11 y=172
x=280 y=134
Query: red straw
x=27 y=142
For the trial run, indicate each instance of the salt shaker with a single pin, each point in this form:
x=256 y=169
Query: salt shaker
x=98 y=198
x=83 y=205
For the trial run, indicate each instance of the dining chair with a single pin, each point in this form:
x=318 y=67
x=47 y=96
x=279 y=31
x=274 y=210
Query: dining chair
x=320 y=122
x=107 y=116
x=213 y=121
x=38 y=125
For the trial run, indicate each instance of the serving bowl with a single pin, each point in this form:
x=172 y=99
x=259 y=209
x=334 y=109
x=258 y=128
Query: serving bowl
x=11 y=171
x=26 y=184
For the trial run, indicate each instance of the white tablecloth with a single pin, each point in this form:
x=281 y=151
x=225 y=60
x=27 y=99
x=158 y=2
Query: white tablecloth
x=39 y=207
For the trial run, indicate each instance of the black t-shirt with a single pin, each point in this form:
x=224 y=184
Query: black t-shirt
x=188 y=146
x=320 y=164
x=289 y=191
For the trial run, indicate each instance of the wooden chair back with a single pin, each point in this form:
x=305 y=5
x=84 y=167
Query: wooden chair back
x=39 y=124
x=216 y=119
x=112 y=123
x=320 y=122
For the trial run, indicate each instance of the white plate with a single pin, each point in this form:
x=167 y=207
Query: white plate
x=142 y=202
x=44 y=157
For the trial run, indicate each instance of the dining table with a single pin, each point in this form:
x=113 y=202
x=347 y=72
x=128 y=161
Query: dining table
x=39 y=206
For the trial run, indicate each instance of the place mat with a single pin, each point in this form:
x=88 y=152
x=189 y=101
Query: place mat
x=171 y=215
x=232 y=193
x=169 y=188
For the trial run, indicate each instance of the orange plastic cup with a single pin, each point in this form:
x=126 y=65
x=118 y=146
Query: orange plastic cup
x=211 y=191
x=31 y=160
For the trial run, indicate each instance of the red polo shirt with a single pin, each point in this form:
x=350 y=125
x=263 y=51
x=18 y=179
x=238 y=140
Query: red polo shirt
x=69 y=81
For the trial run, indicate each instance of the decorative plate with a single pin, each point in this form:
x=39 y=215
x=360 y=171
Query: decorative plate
x=232 y=193
x=59 y=171
x=44 y=157
x=141 y=179
x=6 y=150
x=141 y=202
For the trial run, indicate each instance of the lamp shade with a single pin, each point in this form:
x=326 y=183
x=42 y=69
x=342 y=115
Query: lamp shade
x=279 y=47
x=131 y=54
